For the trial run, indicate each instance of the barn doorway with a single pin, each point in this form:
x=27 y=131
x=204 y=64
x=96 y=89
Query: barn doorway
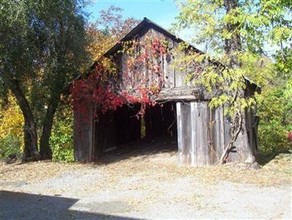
x=123 y=131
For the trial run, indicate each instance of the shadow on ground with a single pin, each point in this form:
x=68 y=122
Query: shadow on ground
x=265 y=158
x=16 y=205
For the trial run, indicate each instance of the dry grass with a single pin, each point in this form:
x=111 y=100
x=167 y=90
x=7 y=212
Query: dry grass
x=161 y=166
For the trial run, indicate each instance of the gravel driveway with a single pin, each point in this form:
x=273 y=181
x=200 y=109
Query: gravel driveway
x=149 y=186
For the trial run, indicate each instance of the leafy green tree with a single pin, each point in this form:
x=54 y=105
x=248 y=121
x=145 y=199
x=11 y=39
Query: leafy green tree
x=238 y=33
x=42 y=46
x=275 y=106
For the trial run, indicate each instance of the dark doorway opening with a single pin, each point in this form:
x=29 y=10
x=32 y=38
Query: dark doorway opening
x=123 y=131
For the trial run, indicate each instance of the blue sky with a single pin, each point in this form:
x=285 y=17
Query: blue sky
x=162 y=12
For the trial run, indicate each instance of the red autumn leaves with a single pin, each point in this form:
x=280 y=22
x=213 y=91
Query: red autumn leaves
x=102 y=90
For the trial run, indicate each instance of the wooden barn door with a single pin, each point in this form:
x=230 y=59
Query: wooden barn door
x=194 y=133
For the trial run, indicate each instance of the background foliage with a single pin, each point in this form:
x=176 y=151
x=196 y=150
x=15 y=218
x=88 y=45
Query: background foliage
x=11 y=128
x=102 y=34
x=42 y=50
x=254 y=39
x=261 y=23
x=62 y=135
x=275 y=106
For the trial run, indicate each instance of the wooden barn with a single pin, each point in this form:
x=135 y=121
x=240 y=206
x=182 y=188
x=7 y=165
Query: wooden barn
x=179 y=109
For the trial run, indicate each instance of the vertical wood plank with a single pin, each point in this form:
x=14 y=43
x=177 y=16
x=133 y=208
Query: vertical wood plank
x=83 y=137
x=212 y=135
x=199 y=132
x=186 y=115
x=174 y=77
x=193 y=135
x=179 y=131
x=178 y=79
x=205 y=146
x=219 y=132
x=226 y=125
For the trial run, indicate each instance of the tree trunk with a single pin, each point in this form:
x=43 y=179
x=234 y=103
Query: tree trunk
x=45 y=148
x=30 y=130
x=232 y=47
x=56 y=91
x=233 y=44
x=30 y=142
x=243 y=143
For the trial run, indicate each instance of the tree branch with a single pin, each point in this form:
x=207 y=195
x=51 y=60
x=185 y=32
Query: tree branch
x=235 y=129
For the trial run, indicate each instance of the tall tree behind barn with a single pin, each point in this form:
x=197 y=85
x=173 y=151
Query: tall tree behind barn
x=136 y=84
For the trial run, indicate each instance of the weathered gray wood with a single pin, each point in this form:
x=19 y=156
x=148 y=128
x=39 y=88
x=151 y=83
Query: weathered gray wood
x=179 y=132
x=226 y=129
x=243 y=145
x=219 y=132
x=194 y=152
x=199 y=133
x=214 y=135
x=204 y=137
x=223 y=131
x=202 y=133
x=203 y=152
x=184 y=133
x=83 y=137
x=187 y=132
x=193 y=134
x=178 y=79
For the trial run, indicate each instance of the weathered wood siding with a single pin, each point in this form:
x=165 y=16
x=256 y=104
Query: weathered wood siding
x=193 y=132
x=172 y=78
x=218 y=133
x=203 y=133
x=83 y=136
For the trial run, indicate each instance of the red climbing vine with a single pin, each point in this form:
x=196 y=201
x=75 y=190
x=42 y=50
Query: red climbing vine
x=95 y=91
x=138 y=79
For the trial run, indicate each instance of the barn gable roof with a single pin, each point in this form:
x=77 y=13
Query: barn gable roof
x=141 y=29
x=147 y=24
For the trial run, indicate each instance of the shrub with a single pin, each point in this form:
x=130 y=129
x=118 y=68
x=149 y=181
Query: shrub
x=62 y=136
x=275 y=120
x=10 y=144
x=11 y=129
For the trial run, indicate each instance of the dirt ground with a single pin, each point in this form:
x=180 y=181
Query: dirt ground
x=145 y=185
